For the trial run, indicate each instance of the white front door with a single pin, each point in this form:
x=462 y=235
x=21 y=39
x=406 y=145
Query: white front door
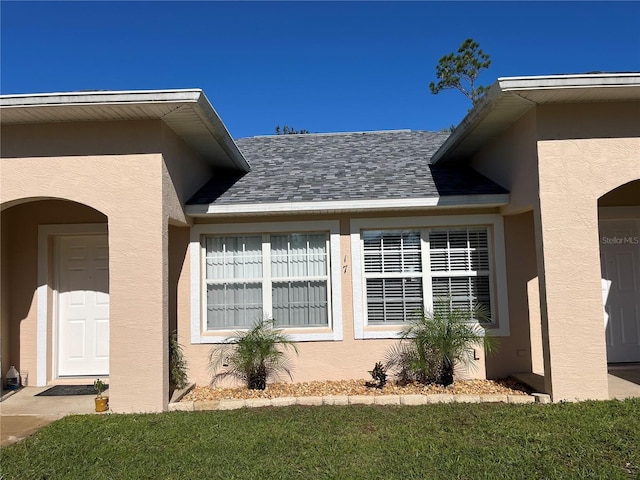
x=620 y=264
x=83 y=305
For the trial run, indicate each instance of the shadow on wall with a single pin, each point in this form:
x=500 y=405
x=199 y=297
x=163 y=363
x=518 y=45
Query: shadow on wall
x=88 y=138
x=20 y=273
x=521 y=351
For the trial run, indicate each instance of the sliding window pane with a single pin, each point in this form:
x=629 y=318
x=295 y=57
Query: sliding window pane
x=300 y=303
x=233 y=305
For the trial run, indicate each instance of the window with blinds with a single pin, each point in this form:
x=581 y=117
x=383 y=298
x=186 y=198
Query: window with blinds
x=456 y=266
x=459 y=266
x=392 y=268
x=285 y=276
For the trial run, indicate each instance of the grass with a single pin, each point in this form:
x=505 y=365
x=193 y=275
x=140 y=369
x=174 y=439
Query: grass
x=446 y=441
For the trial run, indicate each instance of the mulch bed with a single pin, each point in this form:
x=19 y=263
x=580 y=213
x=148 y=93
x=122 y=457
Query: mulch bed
x=358 y=387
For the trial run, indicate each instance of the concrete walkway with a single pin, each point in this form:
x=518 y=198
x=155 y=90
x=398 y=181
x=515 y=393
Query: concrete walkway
x=22 y=413
x=624 y=381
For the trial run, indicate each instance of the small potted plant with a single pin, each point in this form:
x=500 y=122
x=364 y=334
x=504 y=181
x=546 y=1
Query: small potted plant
x=102 y=403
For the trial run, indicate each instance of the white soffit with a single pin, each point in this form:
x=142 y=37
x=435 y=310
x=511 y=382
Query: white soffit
x=187 y=112
x=511 y=97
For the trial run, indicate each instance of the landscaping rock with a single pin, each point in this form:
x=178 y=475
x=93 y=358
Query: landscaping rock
x=360 y=400
x=207 y=405
x=439 y=398
x=182 y=406
x=541 y=397
x=413 y=399
x=466 y=398
x=520 y=399
x=283 y=401
x=335 y=400
x=228 y=405
x=494 y=398
x=259 y=402
x=309 y=401
x=358 y=388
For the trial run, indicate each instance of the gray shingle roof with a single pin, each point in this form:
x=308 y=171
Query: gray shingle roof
x=349 y=166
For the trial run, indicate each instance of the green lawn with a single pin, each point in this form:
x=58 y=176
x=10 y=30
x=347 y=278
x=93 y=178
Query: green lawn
x=446 y=441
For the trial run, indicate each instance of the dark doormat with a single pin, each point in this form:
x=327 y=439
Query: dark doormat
x=64 y=390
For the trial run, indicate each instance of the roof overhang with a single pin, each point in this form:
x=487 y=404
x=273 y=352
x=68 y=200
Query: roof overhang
x=350 y=206
x=187 y=112
x=510 y=98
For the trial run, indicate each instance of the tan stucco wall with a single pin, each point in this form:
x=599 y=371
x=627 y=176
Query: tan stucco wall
x=317 y=360
x=118 y=169
x=556 y=161
x=511 y=160
x=187 y=170
x=522 y=347
x=575 y=170
x=137 y=262
x=74 y=139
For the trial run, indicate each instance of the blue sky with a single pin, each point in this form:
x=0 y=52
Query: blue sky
x=322 y=66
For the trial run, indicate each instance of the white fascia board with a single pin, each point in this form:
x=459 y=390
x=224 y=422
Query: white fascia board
x=569 y=81
x=219 y=130
x=100 y=97
x=479 y=111
x=510 y=86
x=193 y=98
x=494 y=200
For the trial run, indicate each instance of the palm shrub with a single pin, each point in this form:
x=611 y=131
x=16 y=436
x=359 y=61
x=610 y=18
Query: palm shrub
x=252 y=356
x=434 y=342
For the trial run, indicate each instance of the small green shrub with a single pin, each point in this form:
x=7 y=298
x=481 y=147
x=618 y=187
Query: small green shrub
x=177 y=364
x=99 y=387
x=379 y=375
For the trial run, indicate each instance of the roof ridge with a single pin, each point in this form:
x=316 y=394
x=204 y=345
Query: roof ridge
x=328 y=134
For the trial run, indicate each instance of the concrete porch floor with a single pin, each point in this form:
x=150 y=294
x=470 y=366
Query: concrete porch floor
x=624 y=380
x=22 y=413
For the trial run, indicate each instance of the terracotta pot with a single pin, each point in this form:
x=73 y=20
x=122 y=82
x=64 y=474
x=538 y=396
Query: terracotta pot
x=102 y=404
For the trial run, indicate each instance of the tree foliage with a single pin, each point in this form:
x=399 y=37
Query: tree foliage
x=286 y=130
x=460 y=71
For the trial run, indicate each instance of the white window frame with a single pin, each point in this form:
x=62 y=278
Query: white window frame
x=199 y=332
x=497 y=263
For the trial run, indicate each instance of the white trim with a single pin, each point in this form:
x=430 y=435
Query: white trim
x=508 y=98
x=499 y=299
x=568 y=81
x=331 y=333
x=103 y=105
x=495 y=200
x=45 y=232
x=99 y=97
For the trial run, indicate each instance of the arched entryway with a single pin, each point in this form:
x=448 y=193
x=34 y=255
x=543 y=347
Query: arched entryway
x=55 y=282
x=619 y=235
